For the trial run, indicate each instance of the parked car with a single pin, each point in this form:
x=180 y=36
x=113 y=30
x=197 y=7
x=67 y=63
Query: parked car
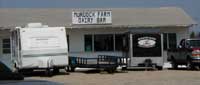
x=187 y=53
x=7 y=74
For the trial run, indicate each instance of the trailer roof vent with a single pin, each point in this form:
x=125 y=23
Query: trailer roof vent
x=35 y=25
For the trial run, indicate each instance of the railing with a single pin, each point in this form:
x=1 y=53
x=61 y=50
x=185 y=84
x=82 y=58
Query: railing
x=100 y=61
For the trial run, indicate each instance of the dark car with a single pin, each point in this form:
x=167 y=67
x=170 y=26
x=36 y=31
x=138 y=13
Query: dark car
x=187 y=53
x=7 y=74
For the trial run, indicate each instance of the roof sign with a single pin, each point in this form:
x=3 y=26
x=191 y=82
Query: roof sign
x=92 y=17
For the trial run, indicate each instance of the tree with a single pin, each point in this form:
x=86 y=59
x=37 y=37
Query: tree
x=192 y=35
x=198 y=35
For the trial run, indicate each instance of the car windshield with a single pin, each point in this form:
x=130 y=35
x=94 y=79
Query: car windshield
x=194 y=43
x=4 y=68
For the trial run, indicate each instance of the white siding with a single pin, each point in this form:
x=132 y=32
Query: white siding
x=76 y=38
x=76 y=41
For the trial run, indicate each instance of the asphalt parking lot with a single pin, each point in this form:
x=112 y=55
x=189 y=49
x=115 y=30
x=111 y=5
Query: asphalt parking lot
x=133 y=77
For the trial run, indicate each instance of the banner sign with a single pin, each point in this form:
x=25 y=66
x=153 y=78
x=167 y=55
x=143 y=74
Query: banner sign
x=147 y=45
x=92 y=17
x=146 y=42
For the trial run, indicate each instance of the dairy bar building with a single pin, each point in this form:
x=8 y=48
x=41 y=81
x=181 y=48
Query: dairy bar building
x=99 y=31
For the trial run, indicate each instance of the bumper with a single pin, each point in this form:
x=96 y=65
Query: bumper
x=196 y=60
x=40 y=68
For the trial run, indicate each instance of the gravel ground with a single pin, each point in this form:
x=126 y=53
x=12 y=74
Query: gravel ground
x=165 y=77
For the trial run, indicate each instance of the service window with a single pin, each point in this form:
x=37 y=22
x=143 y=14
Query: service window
x=169 y=40
x=172 y=40
x=88 y=43
x=6 y=46
x=119 y=42
x=103 y=42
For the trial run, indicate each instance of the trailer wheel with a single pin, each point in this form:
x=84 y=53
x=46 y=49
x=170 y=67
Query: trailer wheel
x=73 y=69
x=56 y=71
x=159 y=67
x=48 y=72
x=124 y=68
x=111 y=70
x=174 y=64
x=67 y=69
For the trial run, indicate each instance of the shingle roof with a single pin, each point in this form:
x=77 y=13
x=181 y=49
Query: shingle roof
x=131 y=17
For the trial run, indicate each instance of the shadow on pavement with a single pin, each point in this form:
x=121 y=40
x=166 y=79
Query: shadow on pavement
x=41 y=74
x=184 y=69
x=95 y=71
x=30 y=82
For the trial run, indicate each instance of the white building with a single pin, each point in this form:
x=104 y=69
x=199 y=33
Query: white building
x=89 y=38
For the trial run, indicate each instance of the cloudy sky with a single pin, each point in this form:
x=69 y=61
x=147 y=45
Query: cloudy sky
x=192 y=7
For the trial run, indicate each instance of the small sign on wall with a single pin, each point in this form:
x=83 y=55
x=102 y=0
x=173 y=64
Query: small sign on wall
x=92 y=17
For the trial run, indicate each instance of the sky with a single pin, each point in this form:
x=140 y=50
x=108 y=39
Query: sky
x=192 y=7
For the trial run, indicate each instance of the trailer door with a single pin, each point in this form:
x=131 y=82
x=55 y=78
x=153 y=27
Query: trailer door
x=145 y=46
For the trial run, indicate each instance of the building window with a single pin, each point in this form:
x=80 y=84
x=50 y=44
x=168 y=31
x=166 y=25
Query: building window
x=119 y=42
x=103 y=42
x=170 y=40
x=6 y=46
x=165 y=41
x=88 y=43
x=68 y=42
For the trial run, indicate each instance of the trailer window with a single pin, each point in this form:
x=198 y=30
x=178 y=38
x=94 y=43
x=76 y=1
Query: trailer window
x=6 y=46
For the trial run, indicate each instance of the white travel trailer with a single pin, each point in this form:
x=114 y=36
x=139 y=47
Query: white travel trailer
x=38 y=46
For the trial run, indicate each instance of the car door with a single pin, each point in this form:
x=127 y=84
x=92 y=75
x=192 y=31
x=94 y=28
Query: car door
x=182 y=51
x=186 y=51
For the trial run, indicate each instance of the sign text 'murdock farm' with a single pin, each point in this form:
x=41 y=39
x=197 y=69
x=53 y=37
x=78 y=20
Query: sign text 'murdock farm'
x=91 y=17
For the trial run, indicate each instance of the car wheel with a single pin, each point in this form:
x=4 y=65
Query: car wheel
x=111 y=70
x=124 y=68
x=197 y=67
x=174 y=64
x=189 y=65
x=49 y=72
